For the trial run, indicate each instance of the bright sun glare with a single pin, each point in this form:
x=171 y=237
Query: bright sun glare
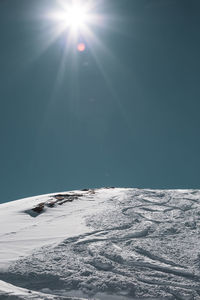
x=76 y=16
x=74 y=25
x=73 y=16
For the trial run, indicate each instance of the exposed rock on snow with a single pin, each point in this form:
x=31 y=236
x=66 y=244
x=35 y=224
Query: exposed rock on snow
x=102 y=244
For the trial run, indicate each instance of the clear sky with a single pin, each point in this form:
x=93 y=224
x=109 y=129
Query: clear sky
x=124 y=112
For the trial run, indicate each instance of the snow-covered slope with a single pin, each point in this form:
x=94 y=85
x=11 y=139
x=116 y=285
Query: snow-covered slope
x=101 y=244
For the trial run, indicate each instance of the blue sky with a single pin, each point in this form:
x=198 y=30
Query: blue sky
x=125 y=112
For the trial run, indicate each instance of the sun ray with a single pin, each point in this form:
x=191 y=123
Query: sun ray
x=77 y=20
x=91 y=40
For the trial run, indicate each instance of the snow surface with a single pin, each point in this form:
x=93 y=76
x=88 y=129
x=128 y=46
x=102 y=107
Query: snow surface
x=111 y=244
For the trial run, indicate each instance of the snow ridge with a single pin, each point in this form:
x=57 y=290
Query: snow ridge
x=107 y=244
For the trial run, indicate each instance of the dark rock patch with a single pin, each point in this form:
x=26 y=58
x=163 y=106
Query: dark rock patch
x=58 y=199
x=39 y=208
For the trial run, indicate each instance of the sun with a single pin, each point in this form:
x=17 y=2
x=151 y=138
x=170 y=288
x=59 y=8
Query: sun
x=75 y=28
x=73 y=16
x=76 y=24
x=76 y=16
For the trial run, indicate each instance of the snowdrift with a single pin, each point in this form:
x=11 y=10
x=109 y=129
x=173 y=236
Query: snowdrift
x=101 y=244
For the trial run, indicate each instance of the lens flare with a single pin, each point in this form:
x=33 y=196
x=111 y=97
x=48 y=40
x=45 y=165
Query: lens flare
x=81 y=47
x=75 y=24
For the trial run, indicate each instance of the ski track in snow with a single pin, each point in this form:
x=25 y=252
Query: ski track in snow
x=126 y=244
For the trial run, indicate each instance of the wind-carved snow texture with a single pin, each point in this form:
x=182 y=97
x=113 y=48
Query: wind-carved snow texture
x=143 y=244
